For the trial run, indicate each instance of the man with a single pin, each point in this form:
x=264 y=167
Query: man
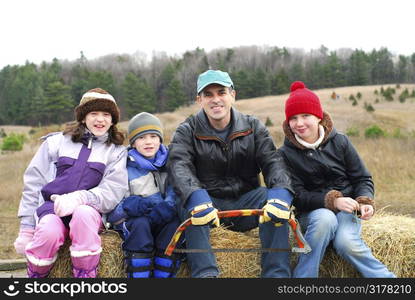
x=214 y=162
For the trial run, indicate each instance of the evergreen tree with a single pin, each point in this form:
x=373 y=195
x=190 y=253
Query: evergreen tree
x=402 y=69
x=358 y=72
x=166 y=76
x=334 y=71
x=138 y=96
x=412 y=78
x=50 y=72
x=28 y=93
x=314 y=73
x=58 y=104
x=242 y=85
x=175 y=95
x=296 y=72
x=260 y=84
x=280 y=84
x=381 y=66
x=102 y=79
x=79 y=82
x=7 y=76
x=22 y=93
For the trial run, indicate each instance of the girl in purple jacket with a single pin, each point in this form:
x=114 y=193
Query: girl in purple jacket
x=75 y=178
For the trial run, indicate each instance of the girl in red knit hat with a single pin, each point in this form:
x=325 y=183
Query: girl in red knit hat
x=333 y=189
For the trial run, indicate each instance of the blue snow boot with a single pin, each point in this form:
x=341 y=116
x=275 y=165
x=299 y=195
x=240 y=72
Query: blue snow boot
x=166 y=266
x=139 y=264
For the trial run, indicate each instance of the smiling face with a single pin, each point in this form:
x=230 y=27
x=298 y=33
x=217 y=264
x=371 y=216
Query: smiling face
x=147 y=144
x=216 y=100
x=98 y=122
x=305 y=126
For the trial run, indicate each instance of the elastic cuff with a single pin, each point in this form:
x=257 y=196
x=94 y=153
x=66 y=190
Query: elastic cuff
x=41 y=262
x=366 y=200
x=280 y=202
x=329 y=199
x=27 y=221
x=82 y=253
x=201 y=207
x=90 y=199
x=209 y=275
x=27 y=226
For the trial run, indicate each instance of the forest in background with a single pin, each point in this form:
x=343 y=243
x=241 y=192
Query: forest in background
x=38 y=95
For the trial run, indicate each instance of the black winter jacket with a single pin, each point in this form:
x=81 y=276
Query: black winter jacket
x=199 y=159
x=334 y=166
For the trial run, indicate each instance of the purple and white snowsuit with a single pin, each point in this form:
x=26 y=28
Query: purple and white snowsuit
x=61 y=166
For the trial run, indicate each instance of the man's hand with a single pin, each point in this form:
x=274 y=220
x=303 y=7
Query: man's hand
x=277 y=208
x=276 y=211
x=201 y=209
x=205 y=214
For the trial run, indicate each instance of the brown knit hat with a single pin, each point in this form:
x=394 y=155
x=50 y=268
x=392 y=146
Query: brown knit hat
x=97 y=100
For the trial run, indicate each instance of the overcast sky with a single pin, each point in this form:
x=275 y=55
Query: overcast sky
x=39 y=30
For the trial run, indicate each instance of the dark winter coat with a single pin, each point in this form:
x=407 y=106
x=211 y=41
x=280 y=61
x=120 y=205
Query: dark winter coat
x=199 y=158
x=332 y=170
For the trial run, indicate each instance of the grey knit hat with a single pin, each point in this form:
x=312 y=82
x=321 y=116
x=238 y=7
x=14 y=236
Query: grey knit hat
x=144 y=123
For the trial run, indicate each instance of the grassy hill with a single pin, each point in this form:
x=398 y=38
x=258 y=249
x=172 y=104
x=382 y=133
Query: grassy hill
x=388 y=115
x=390 y=159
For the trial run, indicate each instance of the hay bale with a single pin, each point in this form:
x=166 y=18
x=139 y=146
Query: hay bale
x=392 y=241
x=234 y=264
x=390 y=237
x=111 y=264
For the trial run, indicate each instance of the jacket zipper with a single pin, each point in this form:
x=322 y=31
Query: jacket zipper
x=226 y=146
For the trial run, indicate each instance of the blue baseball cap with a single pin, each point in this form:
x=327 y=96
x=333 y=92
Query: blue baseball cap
x=213 y=76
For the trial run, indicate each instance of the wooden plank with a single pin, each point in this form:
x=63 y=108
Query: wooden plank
x=12 y=264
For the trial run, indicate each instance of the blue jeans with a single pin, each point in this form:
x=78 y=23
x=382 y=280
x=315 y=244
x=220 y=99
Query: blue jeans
x=344 y=229
x=273 y=264
x=351 y=247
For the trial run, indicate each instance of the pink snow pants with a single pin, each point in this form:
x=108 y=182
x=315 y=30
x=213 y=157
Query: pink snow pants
x=50 y=234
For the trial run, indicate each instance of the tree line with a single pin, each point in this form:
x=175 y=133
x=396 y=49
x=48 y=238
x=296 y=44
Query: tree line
x=44 y=94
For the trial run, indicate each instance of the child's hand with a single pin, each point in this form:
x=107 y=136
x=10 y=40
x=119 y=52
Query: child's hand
x=137 y=206
x=162 y=213
x=64 y=205
x=346 y=204
x=25 y=236
x=117 y=215
x=366 y=211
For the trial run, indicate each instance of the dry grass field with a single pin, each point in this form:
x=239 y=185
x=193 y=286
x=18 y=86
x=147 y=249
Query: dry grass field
x=391 y=159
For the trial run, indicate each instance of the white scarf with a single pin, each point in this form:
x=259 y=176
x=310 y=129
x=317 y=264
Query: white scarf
x=316 y=143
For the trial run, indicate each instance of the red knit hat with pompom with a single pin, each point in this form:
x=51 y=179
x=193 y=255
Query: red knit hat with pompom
x=302 y=101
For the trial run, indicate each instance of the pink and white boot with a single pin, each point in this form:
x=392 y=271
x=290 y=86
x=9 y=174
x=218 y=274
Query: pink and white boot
x=34 y=271
x=85 y=266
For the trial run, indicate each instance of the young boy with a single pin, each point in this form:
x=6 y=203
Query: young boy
x=147 y=218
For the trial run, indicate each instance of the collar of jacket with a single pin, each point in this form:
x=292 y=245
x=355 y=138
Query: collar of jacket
x=326 y=122
x=204 y=131
x=89 y=137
